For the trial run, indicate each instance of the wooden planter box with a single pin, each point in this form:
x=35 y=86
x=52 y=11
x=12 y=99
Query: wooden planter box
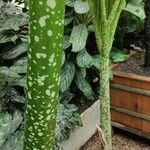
x=130 y=103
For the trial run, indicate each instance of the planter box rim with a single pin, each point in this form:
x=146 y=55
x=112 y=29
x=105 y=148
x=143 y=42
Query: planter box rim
x=90 y=118
x=131 y=76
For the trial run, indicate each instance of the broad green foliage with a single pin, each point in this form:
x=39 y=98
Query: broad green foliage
x=78 y=37
x=67 y=75
x=84 y=59
x=131 y=22
x=8 y=125
x=13 y=75
x=136 y=7
x=81 y=7
x=66 y=119
x=13 y=63
x=117 y=56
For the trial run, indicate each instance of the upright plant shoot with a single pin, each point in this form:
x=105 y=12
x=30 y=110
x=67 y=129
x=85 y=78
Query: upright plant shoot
x=44 y=63
x=105 y=15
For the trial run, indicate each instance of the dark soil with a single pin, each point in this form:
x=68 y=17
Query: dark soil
x=121 y=141
x=83 y=106
x=135 y=64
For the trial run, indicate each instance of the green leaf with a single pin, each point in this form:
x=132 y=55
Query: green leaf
x=136 y=7
x=5 y=127
x=84 y=86
x=2 y=88
x=68 y=20
x=7 y=72
x=16 y=51
x=84 y=59
x=78 y=37
x=118 y=56
x=96 y=61
x=19 y=69
x=69 y=3
x=66 y=42
x=82 y=72
x=14 y=95
x=14 y=22
x=4 y=38
x=81 y=7
x=67 y=75
x=65 y=97
x=17 y=119
x=21 y=62
x=63 y=58
x=67 y=120
x=20 y=82
x=14 y=142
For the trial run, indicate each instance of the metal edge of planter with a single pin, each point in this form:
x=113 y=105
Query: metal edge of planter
x=90 y=118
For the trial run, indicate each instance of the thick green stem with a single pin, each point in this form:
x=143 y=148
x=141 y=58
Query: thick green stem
x=105 y=99
x=105 y=19
x=44 y=64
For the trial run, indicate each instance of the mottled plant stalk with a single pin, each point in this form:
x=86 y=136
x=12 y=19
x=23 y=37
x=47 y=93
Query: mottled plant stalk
x=105 y=15
x=44 y=64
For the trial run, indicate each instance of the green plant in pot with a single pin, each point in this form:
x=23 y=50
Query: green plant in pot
x=44 y=64
x=105 y=15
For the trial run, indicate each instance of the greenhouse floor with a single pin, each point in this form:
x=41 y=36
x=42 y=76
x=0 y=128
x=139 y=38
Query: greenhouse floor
x=121 y=141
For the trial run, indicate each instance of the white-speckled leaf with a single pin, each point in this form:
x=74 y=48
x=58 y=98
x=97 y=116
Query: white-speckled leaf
x=5 y=126
x=78 y=37
x=84 y=59
x=67 y=75
x=81 y=7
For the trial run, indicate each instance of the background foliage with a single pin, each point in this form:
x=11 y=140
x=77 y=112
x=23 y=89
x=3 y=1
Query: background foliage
x=80 y=63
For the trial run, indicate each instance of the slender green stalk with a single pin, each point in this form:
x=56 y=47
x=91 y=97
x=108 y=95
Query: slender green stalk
x=105 y=18
x=44 y=64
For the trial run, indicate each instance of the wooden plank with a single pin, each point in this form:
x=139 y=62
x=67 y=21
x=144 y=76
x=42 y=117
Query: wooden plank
x=136 y=123
x=146 y=85
x=131 y=89
x=136 y=84
x=114 y=96
x=131 y=130
x=121 y=80
x=121 y=117
x=131 y=76
x=146 y=105
x=146 y=126
x=136 y=102
x=131 y=113
x=120 y=98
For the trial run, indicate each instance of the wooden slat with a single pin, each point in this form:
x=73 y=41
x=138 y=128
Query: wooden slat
x=146 y=85
x=146 y=126
x=131 y=113
x=136 y=123
x=120 y=117
x=146 y=105
x=131 y=89
x=131 y=76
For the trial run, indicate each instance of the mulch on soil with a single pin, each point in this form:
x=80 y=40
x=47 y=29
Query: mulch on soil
x=135 y=64
x=121 y=141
